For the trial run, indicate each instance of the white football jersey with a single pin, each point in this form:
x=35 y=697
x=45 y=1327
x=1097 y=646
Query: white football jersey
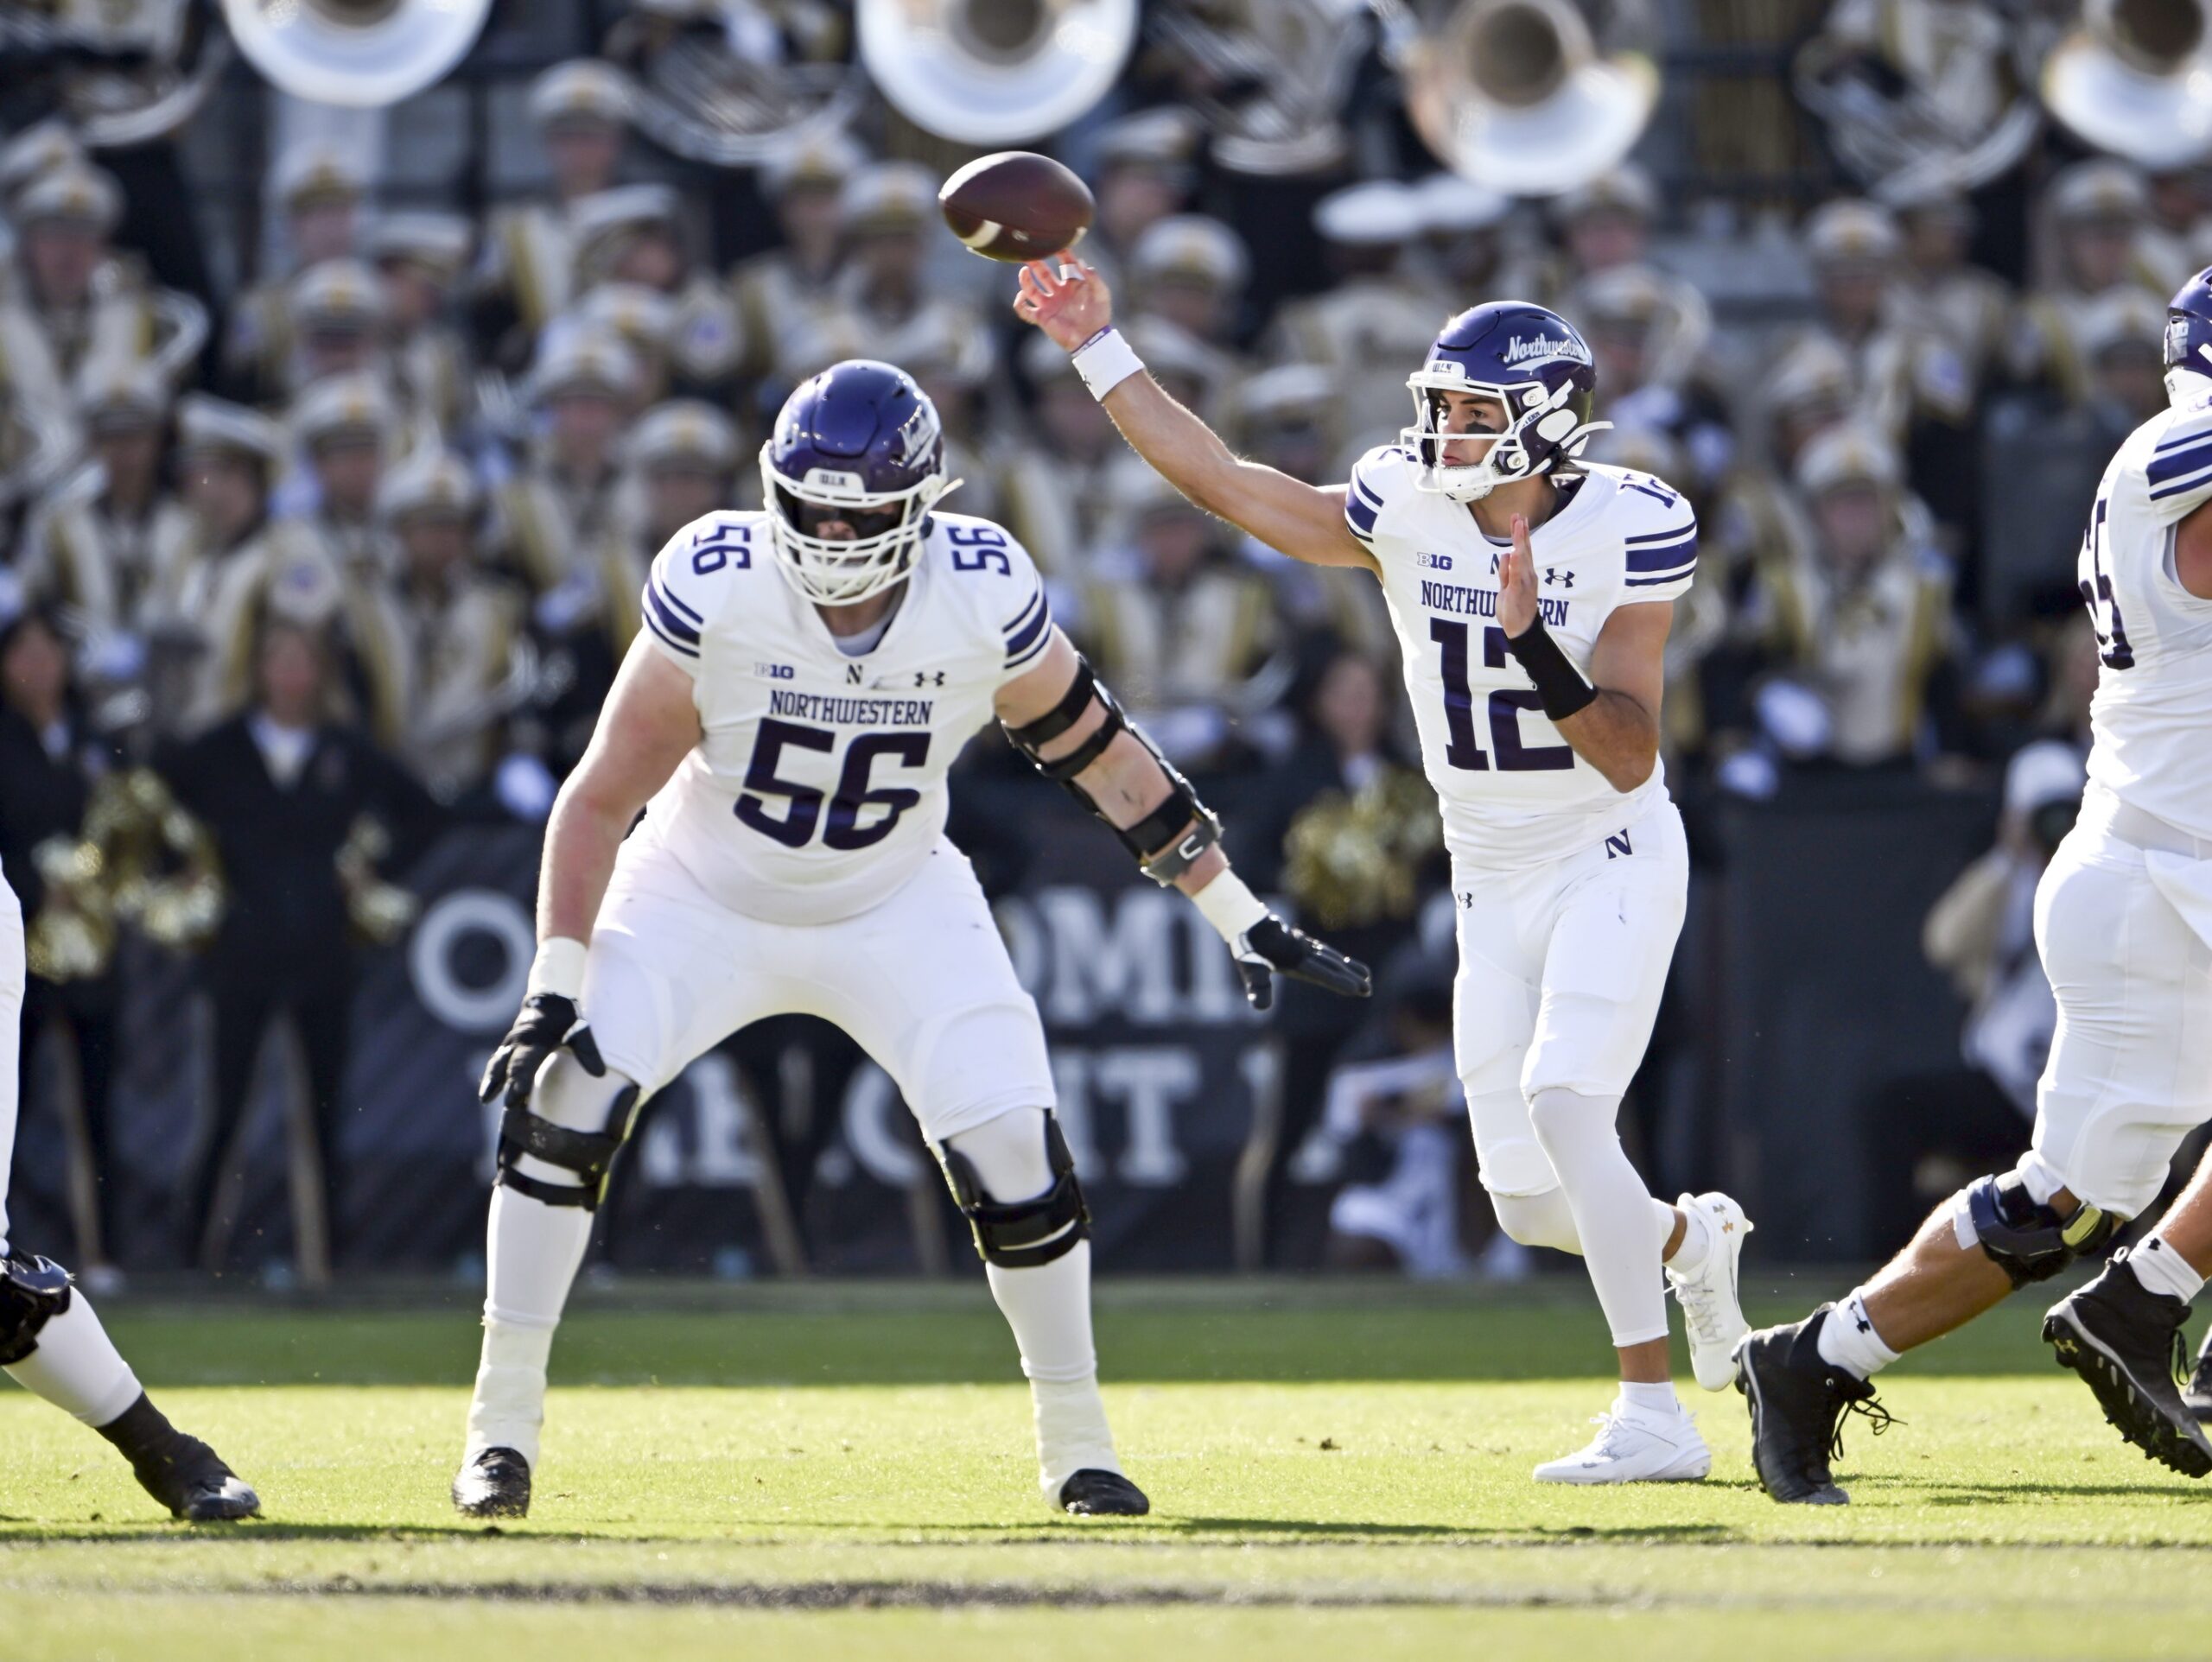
x=819 y=785
x=2151 y=721
x=1513 y=791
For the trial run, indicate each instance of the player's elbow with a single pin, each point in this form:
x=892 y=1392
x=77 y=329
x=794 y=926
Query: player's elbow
x=1627 y=773
x=590 y=801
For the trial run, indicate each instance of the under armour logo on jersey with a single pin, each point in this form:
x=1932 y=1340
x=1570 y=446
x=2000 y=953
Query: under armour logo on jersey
x=1554 y=578
x=929 y=678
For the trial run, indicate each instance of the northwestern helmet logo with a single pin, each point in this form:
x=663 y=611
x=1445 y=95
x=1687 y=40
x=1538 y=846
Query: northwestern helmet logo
x=1543 y=349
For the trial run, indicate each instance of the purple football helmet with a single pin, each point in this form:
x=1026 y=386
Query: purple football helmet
x=2189 y=340
x=859 y=442
x=1534 y=365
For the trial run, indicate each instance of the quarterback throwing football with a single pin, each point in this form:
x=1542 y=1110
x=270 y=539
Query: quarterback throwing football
x=785 y=721
x=1531 y=594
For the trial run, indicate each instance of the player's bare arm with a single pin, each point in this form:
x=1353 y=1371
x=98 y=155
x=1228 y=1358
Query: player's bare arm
x=1059 y=716
x=1306 y=521
x=647 y=725
x=1618 y=731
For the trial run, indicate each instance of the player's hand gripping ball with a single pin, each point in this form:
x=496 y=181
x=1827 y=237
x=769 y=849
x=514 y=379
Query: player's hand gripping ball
x=1070 y=304
x=1016 y=206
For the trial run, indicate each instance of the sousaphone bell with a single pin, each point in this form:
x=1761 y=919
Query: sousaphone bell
x=2136 y=79
x=994 y=72
x=361 y=53
x=1527 y=97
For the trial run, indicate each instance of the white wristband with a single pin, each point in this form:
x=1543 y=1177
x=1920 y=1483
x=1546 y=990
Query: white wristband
x=1230 y=905
x=559 y=970
x=1105 y=361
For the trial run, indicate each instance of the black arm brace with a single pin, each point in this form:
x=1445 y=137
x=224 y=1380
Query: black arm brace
x=1159 y=842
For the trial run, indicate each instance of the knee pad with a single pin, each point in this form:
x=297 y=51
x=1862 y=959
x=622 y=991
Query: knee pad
x=33 y=1291
x=2028 y=1240
x=1544 y=1220
x=1021 y=1234
x=568 y=1093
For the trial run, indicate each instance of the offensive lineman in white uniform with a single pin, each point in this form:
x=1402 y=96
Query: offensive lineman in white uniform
x=808 y=674
x=2124 y=924
x=53 y=1346
x=1531 y=594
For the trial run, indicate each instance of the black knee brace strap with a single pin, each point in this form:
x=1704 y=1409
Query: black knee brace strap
x=589 y=1154
x=1027 y=1233
x=33 y=1291
x=2027 y=1242
x=1165 y=841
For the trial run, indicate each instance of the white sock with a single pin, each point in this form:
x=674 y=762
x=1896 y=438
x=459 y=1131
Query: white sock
x=2162 y=1269
x=1697 y=1238
x=532 y=1252
x=1049 y=1309
x=1649 y=1401
x=1848 y=1339
x=1620 y=1227
x=77 y=1368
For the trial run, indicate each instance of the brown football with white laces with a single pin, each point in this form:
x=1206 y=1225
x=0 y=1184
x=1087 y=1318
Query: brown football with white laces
x=1016 y=206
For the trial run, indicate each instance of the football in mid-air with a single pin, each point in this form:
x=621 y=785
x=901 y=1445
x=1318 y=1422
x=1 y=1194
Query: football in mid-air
x=1016 y=206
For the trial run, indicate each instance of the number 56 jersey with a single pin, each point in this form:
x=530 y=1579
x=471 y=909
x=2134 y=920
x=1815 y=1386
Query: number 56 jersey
x=1513 y=791
x=818 y=787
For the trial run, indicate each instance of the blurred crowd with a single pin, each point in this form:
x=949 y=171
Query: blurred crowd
x=364 y=540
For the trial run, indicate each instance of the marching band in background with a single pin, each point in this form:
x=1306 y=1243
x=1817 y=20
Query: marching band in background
x=421 y=460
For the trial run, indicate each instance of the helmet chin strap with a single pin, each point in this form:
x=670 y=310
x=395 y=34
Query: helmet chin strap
x=1474 y=490
x=2187 y=385
x=1552 y=413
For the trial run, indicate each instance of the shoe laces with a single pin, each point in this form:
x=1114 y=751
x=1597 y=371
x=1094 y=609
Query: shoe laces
x=1610 y=1427
x=1701 y=1301
x=1869 y=1408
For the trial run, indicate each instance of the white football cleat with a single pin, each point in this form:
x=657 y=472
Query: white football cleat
x=1712 y=1312
x=1635 y=1448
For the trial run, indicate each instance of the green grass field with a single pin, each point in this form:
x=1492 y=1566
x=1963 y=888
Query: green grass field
x=844 y=1472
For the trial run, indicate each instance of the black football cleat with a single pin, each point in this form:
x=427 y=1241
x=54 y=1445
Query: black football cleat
x=178 y=1469
x=1094 y=1492
x=496 y=1484
x=1798 y=1401
x=194 y=1483
x=2196 y=1390
x=2124 y=1342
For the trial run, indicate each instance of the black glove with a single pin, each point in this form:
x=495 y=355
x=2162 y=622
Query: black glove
x=1271 y=947
x=548 y=1023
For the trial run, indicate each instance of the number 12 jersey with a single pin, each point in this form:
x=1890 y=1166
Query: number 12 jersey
x=1513 y=791
x=818 y=786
